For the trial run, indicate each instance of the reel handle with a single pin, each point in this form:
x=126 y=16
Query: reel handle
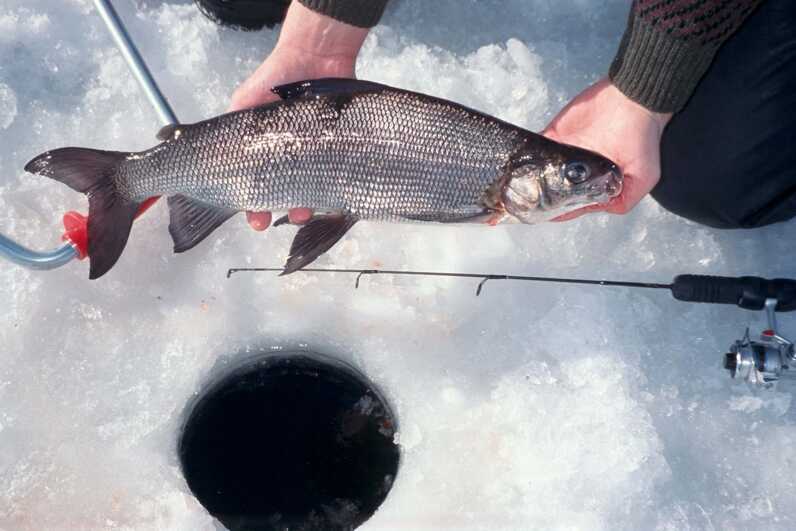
x=749 y=293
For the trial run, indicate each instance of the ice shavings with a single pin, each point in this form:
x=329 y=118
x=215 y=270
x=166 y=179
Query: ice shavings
x=501 y=79
x=570 y=435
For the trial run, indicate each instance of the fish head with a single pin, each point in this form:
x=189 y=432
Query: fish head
x=547 y=179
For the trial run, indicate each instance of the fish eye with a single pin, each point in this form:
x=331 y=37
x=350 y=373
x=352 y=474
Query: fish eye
x=576 y=172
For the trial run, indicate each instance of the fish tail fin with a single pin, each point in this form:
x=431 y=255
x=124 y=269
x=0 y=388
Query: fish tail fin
x=110 y=216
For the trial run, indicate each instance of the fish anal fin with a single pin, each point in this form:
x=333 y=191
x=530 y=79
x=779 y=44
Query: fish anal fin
x=325 y=86
x=315 y=238
x=191 y=221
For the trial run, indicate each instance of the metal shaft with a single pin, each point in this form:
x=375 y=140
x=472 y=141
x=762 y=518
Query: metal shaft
x=135 y=62
x=14 y=252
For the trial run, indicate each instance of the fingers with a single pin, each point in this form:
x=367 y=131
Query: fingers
x=259 y=221
x=299 y=216
x=633 y=191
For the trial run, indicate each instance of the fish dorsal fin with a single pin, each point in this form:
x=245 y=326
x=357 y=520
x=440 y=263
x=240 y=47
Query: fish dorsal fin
x=167 y=132
x=191 y=221
x=329 y=85
x=316 y=237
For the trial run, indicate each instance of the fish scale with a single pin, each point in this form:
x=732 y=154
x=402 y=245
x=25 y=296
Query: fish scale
x=380 y=156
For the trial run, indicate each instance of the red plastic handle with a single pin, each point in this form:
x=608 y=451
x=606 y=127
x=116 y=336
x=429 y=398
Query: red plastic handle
x=76 y=227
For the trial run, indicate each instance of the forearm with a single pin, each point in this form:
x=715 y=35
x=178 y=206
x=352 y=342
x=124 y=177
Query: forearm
x=668 y=46
x=317 y=35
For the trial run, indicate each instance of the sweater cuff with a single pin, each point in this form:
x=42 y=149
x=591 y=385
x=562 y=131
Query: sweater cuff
x=656 y=69
x=361 y=13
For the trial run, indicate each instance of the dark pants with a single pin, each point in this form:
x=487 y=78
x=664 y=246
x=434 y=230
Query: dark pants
x=728 y=159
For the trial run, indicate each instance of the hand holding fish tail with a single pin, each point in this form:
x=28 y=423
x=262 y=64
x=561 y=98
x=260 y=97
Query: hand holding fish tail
x=310 y=46
x=603 y=119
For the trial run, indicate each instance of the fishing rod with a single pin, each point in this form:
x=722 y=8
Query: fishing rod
x=759 y=361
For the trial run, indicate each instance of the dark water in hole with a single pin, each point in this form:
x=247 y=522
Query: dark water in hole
x=290 y=442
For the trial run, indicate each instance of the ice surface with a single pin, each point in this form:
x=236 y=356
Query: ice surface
x=532 y=406
x=8 y=106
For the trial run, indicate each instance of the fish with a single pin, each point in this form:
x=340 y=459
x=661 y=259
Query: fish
x=350 y=150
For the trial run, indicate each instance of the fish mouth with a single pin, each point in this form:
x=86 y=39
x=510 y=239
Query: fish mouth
x=606 y=186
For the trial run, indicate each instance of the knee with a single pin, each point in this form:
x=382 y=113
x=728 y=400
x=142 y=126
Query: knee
x=689 y=190
x=727 y=200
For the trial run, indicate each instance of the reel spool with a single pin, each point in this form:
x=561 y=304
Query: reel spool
x=766 y=360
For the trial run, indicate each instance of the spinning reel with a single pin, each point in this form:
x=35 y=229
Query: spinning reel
x=765 y=360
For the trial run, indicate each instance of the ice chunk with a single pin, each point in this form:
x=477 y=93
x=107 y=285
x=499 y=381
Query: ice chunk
x=8 y=106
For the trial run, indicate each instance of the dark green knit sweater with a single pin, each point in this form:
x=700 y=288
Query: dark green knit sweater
x=666 y=49
x=668 y=46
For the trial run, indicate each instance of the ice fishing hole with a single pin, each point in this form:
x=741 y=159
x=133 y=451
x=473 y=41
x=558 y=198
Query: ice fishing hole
x=290 y=441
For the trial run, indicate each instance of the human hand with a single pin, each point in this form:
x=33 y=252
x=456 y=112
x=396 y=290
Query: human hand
x=603 y=119
x=310 y=46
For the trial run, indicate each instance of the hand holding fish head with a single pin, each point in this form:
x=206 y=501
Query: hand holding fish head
x=549 y=179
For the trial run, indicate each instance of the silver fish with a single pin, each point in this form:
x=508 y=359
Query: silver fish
x=349 y=149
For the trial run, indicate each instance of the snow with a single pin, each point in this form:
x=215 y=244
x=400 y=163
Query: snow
x=529 y=407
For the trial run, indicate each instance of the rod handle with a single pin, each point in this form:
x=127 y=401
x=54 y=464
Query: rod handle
x=747 y=292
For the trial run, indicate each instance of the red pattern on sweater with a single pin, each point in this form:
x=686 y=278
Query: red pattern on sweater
x=706 y=21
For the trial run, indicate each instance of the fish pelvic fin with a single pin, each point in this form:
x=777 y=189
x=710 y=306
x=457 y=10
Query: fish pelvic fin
x=284 y=220
x=191 y=221
x=110 y=216
x=315 y=238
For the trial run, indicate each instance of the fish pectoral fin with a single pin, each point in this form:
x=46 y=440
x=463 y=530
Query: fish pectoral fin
x=316 y=237
x=191 y=221
x=325 y=86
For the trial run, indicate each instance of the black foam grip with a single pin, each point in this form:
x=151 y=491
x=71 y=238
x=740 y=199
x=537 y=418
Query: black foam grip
x=747 y=292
